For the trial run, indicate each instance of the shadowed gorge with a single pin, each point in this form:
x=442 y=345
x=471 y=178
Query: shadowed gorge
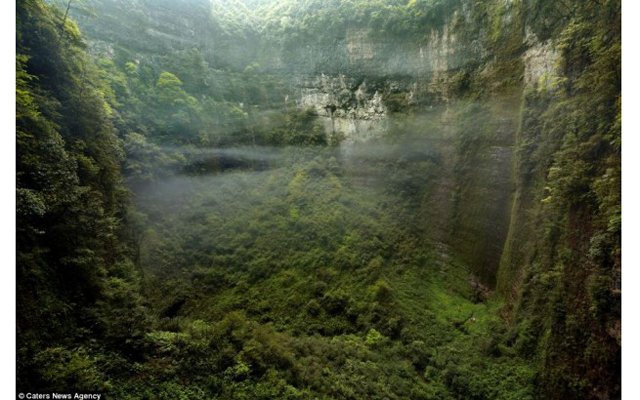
x=257 y=199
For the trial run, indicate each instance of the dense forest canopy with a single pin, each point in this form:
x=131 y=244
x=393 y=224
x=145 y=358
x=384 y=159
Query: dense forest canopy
x=312 y=199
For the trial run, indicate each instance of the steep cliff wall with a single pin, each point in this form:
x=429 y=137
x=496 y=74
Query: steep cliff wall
x=561 y=264
x=463 y=106
x=528 y=189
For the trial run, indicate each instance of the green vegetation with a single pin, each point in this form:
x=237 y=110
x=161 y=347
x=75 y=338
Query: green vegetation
x=569 y=177
x=338 y=300
x=73 y=265
x=319 y=199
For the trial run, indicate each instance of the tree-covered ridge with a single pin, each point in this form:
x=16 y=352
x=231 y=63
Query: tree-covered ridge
x=390 y=18
x=74 y=273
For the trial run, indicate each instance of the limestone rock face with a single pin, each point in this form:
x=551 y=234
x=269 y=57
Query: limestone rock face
x=353 y=110
x=540 y=61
